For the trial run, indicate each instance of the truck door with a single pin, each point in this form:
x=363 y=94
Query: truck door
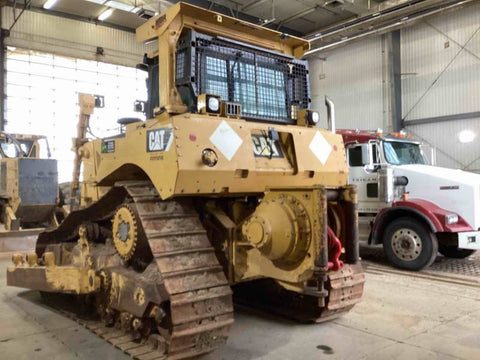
x=363 y=163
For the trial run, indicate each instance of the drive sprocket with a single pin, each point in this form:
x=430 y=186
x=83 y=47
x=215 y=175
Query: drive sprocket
x=125 y=231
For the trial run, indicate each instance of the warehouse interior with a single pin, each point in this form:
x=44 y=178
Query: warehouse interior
x=389 y=146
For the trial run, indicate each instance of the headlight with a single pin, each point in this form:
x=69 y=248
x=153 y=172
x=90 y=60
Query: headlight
x=315 y=117
x=213 y=104
x=208 y=104
x=307 y=117
x=451 y=219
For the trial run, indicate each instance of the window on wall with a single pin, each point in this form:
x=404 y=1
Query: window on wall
x=42 y=98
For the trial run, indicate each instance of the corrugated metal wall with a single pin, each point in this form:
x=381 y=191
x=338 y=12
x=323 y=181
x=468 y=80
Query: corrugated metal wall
x=444 y=138
x=441 y=76
x=438 y=78
x=352 y=78
x=77 y=39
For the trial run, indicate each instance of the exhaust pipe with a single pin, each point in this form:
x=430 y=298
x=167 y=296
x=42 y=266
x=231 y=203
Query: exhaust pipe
x=330 y=114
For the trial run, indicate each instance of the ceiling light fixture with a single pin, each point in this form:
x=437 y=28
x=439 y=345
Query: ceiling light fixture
x=49 y=4
x=120 y=6
x=143 y=12
x=466 y=136
x=105 y=15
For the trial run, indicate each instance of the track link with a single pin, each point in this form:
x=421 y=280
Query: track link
x=345 y=289
x=201 y=310
x=198 y=306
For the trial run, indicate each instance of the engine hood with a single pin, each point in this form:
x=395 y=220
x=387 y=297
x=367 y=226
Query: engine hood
x=448 y=175
x=453 y=190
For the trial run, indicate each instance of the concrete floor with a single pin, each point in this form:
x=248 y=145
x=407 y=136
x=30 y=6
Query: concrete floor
x=401 y=317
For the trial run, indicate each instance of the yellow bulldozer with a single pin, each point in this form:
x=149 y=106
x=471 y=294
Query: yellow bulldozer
x=29 y=196
x=28 y=184
x=229 y=186
x=28 y=191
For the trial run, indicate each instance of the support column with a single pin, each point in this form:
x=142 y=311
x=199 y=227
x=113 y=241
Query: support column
x=392 y=81
x=3 y=54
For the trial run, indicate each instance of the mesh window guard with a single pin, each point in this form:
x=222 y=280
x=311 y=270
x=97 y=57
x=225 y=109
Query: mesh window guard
x=268 y=85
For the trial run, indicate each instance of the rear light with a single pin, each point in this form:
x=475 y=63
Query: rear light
x=208 y=104
x=306 y=117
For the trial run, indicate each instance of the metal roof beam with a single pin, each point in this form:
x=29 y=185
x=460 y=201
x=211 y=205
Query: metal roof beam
x=379 y=22
x=41 y=10
x=358 y=7
x=297 y=15
x=252 y=4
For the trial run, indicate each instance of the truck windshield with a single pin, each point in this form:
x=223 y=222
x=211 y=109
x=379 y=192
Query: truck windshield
x=403 y=153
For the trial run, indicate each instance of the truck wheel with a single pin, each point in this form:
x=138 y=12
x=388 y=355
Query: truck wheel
x=409 y=244
x=452 y=251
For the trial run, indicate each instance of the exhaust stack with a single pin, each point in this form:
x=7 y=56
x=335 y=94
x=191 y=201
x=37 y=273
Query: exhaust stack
x=330 y=114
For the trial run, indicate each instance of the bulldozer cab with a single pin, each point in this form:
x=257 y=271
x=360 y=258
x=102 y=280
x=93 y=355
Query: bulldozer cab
x=17 y=145
x=28 y=184
x=256 y=69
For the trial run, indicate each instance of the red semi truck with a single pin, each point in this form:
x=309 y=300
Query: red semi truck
x=414 y=209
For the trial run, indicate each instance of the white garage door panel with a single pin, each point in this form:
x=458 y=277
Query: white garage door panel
x=42 y=98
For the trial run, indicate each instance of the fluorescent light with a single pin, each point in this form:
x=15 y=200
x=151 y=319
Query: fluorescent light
x=105 y=15
x=466 y=136
x=100 y=2
x=49 y=3
x=120 y=6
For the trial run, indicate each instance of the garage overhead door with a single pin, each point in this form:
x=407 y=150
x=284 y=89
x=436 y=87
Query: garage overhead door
x=42 y=98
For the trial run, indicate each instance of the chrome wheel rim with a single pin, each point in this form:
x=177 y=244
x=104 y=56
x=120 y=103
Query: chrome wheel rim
x=406 y=244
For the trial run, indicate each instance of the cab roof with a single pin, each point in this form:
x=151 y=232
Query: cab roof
x=362 y=136
x=356 y=136
x=23 y=137
x=210 y=22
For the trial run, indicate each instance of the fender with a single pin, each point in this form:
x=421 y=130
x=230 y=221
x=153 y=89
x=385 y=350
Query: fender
x=427 y=212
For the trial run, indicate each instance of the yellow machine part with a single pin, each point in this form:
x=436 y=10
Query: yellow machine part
x=124 y=229
x=179 y=170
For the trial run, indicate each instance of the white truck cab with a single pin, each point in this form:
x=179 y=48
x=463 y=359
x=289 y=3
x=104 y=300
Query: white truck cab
x=412 y=208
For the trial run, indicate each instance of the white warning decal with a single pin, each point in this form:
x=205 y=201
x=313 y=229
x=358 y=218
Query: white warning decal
x=320 y=147
x=226 y=140
x=159 y=139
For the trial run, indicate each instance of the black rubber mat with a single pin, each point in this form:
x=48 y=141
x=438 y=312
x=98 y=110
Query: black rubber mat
x=466 y=267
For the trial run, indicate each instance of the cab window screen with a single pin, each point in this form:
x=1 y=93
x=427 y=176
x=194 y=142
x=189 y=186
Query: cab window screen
x=216 y=77
x=268 y=86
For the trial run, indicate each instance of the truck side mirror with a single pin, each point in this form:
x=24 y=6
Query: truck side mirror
x=368 y=158
x=429 y=152
x=366 y=155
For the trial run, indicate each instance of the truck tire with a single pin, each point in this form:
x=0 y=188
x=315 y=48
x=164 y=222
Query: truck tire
x=409 y=244
x=452 y=251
